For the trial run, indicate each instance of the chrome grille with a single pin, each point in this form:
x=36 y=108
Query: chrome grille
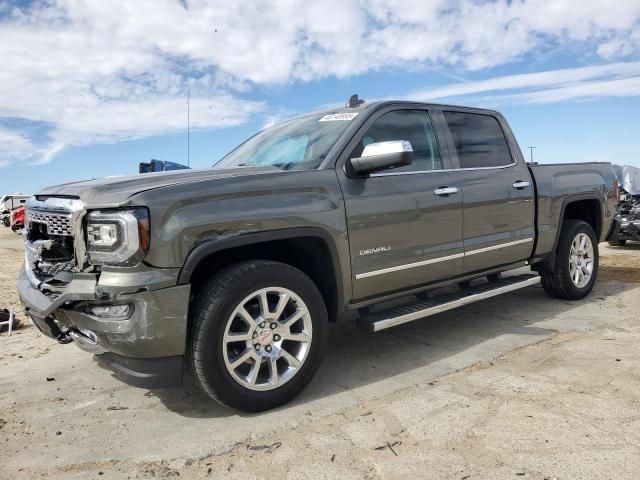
x=50 y=241
x=36 y=263
x=57 y=223
x=33 y=255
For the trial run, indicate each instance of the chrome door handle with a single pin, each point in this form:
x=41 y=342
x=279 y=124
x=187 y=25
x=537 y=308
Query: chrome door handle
x=444 y=191
x=520 y=185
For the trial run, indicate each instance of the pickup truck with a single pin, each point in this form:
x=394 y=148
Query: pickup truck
x=237 y=271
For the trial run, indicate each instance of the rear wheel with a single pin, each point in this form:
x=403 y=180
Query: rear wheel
x=259 y=332
x=576 y=264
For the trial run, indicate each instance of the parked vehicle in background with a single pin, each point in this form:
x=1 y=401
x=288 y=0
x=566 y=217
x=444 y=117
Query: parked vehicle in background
x=628 y=206
x=160 y=166
x=17 y=219
x=9 y=203
x=237 y=270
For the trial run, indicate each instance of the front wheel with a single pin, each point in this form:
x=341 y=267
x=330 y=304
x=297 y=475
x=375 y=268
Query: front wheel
x=575 y=270
x=258 y=334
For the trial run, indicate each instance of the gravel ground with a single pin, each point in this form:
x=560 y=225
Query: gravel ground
x=519 y=386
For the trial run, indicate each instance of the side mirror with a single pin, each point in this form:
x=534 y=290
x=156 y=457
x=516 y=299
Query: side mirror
x=383 y=155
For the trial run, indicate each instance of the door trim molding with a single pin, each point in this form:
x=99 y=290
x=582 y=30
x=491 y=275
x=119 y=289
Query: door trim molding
x=406 y=266
x=500 y=245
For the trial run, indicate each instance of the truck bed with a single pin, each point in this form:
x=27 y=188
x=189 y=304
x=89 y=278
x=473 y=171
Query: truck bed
x=556 y=183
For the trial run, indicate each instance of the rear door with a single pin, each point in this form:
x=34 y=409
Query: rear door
x=401 y=233
x=498 y=196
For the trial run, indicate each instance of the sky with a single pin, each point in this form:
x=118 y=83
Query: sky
x=91 y=88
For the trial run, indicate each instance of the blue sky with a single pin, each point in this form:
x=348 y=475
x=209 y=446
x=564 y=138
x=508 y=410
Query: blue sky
x=90 y=89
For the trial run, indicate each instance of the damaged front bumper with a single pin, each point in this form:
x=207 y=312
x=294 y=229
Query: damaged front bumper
x=144 y=348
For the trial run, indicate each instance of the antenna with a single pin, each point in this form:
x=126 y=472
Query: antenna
x=188 y=126
x=354 y=101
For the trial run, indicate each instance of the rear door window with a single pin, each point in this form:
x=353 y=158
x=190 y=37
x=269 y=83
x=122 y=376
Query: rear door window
x=478 y=139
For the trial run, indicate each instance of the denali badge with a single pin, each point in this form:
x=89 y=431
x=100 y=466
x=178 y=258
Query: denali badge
x=371 y=251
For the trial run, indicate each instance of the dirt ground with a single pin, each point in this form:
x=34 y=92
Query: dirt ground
x=520 y=386
x=11 y=256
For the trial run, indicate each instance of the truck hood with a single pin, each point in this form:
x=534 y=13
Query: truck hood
x=111 y=191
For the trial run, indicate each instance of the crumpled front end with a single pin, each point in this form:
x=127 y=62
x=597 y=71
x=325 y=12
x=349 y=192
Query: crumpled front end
x=134 y=318
x=54 y=243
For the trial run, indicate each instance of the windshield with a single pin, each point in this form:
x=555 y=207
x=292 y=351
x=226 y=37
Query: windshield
x=299 y=144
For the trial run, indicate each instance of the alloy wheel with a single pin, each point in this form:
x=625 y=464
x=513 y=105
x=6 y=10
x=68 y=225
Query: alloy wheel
x=581 y=260
x=267 y=338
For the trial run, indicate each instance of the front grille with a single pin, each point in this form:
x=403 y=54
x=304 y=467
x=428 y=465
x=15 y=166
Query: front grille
x=57 y=223
x=49 y=248
x=47 y=267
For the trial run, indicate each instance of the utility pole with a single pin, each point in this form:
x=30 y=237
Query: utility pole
x=531 y=150
x=188 y=127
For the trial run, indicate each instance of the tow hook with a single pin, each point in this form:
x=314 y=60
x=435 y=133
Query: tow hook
x=63 y=337
x=86 y=340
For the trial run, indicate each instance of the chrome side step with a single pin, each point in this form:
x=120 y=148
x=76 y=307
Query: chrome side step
x=424 y=308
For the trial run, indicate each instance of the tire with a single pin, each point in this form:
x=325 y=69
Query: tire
x=618 y=242
x=220 y=310
x=558 y=280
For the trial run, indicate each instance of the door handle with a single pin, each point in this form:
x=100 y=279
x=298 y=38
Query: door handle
x=520 y=185
x=444 y=191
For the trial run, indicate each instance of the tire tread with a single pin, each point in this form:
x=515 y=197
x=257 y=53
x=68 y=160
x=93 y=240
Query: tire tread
x=557 y=282
x=207 y=302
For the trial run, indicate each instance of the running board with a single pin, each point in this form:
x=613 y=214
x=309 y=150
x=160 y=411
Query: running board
x=424 y=308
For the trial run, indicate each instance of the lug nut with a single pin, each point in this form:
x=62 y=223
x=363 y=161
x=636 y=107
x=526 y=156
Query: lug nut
x=255 y=334
x=276 y=338
x=263 y=324
x=257 y=346
x=274 y=326
x=268 y=348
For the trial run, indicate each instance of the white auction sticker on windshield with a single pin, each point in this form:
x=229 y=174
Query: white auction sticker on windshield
x=334 y=117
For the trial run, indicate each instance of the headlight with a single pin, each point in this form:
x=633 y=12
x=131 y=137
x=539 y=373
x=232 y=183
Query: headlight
x=117 y=237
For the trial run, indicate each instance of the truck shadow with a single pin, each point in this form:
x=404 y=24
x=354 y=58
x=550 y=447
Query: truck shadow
x=444 y=342
x=627 y=247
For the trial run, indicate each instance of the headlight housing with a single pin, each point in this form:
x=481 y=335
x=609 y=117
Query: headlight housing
x=117 y=237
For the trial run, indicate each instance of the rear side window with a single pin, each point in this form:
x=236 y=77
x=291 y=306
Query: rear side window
x=478 y=139
x=413 y=126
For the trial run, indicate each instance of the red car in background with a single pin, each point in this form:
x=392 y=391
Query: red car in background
x=17 y=219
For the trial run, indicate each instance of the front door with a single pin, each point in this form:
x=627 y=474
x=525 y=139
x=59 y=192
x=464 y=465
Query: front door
x=403 y=231
x=498 y=200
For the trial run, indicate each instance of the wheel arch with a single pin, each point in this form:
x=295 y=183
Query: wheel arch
x=307 y=249
x=586 y=207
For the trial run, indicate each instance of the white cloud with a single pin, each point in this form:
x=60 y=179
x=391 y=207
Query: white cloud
x=106 y=71
x=16 y=147
x=625 y=87
x=617 y=79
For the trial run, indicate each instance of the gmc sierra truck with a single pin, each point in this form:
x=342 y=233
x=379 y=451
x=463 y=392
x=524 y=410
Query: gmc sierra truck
x=236 y=271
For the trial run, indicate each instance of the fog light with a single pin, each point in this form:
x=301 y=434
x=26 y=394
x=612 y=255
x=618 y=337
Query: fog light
x=111 y=311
